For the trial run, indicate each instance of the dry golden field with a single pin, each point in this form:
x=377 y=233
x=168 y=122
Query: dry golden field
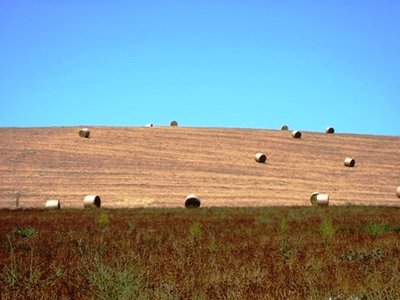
x=159 y=166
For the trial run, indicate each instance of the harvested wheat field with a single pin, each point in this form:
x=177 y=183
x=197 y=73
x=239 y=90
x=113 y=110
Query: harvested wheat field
x=160 y=166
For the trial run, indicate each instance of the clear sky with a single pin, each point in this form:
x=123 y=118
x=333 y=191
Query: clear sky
x=217 y=63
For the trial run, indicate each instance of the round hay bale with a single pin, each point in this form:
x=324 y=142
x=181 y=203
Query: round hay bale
x=284 y=127
x=192 y=201
x=52 y=204
x=91 y=201
x=260 y=157
x=84 y=133
x=330 y=130
x=349 y=162
x=174 y=123
x=296 y=134
x=319 y=199
x=398 y=192
x=148 y=125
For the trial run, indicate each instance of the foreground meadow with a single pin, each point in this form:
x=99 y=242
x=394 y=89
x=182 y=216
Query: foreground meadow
x=207 y=253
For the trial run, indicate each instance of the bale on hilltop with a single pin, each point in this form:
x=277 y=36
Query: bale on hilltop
x=52 y=204
x=174 y=123
x=260 y=157
x=284 y=127
x=192 y=201
x=330 y=130
x=349 y=162
x=84 y=133
x=91 y=201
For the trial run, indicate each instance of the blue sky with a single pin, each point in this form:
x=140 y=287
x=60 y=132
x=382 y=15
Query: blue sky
x=217 y=63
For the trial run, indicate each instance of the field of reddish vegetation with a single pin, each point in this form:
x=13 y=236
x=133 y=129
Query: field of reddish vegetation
x=207 y=253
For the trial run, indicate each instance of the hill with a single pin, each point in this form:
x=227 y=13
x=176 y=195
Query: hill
x=159 y=166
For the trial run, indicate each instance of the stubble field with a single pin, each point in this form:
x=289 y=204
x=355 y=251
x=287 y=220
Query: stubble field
x=160 y=166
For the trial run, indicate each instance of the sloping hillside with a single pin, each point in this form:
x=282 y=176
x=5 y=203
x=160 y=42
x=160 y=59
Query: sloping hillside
x=159 y=166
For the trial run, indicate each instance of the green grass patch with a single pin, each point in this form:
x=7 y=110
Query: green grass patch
x=377 y=228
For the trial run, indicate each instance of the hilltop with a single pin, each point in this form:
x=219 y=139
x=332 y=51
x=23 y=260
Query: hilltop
x=160 y=166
